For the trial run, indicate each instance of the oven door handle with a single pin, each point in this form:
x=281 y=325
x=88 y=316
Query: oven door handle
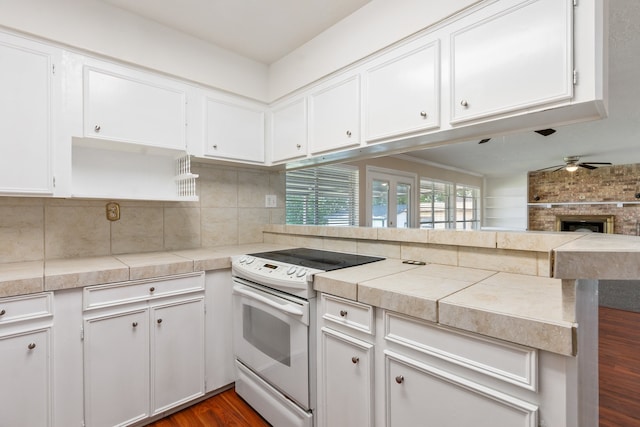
x=282 y=307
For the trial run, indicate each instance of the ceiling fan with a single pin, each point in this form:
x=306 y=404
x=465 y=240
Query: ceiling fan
x=572 y=163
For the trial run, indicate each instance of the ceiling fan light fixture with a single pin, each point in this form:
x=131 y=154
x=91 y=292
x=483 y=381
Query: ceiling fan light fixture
x=571 y=167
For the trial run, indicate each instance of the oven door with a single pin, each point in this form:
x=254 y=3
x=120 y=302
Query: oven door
x=271 y=337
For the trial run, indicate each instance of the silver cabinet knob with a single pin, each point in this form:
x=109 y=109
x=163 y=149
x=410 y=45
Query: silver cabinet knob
x=423 y=114
x=96 y=128
x=355 y=359
x=159 y=321
x=298 y=146
x=464 y=103
x=349 y=133
x=215 y=146
x=152 y=289
x=399 y=379
x=134 y=324
x=31 y=346
x=343 y=313
x=3 y=312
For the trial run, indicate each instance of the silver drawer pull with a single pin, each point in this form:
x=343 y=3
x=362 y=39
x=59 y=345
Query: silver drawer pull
x=343 y=313
x=159 y=321
x=355 y=359
x=3 y=312
x=134 y=324
x=399 y=379
x=152 y=289
x=31 y=346
x=97 y=128
x=423 y=114
x=464 y=103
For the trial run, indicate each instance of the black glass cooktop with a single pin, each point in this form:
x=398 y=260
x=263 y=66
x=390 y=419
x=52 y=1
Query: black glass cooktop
x=317 y=259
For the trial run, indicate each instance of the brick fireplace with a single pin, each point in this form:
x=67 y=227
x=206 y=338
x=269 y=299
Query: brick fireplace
x=607 y=193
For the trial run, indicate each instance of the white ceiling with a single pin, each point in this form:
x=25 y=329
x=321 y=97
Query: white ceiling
x=263 y=30
x=267 y=30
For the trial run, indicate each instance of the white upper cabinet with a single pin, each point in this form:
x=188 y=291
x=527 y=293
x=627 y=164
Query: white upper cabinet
x=510 y=57
x=334 y=114
x=234 y=129
x=133 y=107
x=289 y=130
x=28 y=87
x=402 y=93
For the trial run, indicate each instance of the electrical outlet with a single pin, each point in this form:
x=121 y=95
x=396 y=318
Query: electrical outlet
x=113 y=211
x=270 y=201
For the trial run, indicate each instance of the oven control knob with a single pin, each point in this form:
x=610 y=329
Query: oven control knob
x=250 y=260
x=292 y=269
x=301 y=272
x=242 y=259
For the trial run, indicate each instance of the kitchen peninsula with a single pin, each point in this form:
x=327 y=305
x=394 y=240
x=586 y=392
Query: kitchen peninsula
x=531 y=290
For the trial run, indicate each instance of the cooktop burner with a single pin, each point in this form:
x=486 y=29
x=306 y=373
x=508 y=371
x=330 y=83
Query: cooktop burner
x=317 y=259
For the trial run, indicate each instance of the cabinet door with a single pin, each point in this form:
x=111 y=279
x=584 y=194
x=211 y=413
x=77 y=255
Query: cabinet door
x=25 y=395
x=417 y=393
x=116 y=369
x=517 y=58
x=220 y=363
x=346 y=380
x=289 y=131
x=177 y=348
x=26 y=85
x=234 y=131
x=134 y=108
x=335 y=116
x=402 y=94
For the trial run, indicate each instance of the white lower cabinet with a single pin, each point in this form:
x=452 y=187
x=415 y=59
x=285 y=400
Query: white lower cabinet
x=381 y=368
x=346 y=362
x=416 y=392
x=177 y=346
x=116 y=361
x=347 y=372
x=25 y=395
x=145 y=353
x=25 y=361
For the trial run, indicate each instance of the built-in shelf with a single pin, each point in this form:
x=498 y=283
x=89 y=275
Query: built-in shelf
x=618 y=204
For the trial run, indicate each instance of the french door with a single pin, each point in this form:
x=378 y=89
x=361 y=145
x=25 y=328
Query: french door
x=391 y=198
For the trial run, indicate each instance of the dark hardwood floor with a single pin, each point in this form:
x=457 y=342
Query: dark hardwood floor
x=619 y=368
x=226 y=409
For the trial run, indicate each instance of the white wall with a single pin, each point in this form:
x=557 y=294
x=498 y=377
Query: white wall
x=505 y=202
x=369 y=29
x=98 y=27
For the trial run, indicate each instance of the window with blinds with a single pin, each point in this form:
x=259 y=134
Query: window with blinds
x=447 y=205
x=323 y=195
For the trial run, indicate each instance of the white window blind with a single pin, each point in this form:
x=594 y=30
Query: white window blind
x=467 y=207
x=435 y=204
x=323 y=195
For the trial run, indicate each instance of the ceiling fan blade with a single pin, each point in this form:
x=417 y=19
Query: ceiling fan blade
x=550 y=167
x=597 y=163
x=587 y=166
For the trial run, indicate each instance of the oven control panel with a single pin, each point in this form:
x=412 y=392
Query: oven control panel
x=272 y=272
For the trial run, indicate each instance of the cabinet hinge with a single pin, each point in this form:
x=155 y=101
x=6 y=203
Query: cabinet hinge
x=575 y=3
x=81 y=334
x=54 y=182
x=53 y=69
x=575 y=77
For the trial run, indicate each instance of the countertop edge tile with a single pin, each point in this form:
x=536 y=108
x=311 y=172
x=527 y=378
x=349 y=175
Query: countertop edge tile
x=535 y=333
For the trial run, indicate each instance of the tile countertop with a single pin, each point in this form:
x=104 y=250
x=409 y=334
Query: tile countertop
x=527 y=310
x=36 y=276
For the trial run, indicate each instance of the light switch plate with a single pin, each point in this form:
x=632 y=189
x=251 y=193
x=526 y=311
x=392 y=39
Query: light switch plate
x=270 y=201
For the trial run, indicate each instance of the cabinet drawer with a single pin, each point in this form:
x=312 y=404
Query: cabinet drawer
x=139 y=290
x=25 y=307
x=511 y=363
x=348 y=313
